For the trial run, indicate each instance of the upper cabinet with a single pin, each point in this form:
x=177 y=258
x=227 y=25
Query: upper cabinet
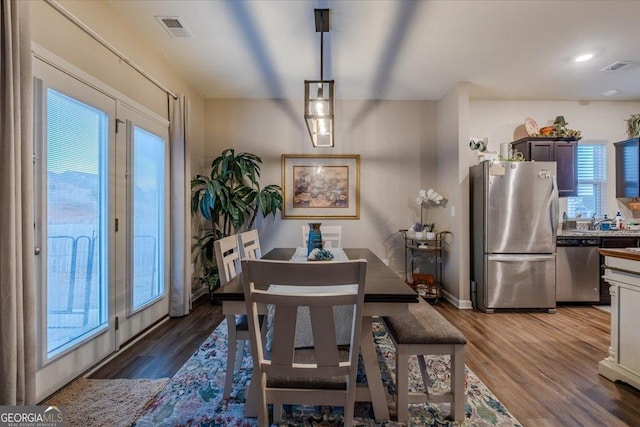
x=563 y=151
x=627 y=168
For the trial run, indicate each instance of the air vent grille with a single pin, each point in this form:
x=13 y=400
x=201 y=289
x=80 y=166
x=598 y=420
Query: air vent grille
x=621 y=66
x=174 y=26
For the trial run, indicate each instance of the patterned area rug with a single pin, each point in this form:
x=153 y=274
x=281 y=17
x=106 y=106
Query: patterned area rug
x=193 y=396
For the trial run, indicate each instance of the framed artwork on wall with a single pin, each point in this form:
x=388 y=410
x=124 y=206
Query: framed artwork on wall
x=321 y=186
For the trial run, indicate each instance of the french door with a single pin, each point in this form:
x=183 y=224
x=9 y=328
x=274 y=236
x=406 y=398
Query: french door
x=101 y=237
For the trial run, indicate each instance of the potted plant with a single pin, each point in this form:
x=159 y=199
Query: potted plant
x=418 y=228
x=633 y=125
x=430 y=235
x=227 y=199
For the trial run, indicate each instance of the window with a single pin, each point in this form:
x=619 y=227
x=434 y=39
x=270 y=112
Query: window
x=592 y=171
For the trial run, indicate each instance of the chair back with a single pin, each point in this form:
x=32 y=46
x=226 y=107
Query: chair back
x=320 y=286
x=249 y=243
x=227 y=258
x=331 y=236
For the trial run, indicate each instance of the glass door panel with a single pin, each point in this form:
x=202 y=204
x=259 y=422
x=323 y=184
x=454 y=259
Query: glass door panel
x=142 y=240
x=76 y=146
x=148 y=218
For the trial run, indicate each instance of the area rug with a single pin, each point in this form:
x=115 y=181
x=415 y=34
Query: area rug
x=193 y=397
x=92 y=402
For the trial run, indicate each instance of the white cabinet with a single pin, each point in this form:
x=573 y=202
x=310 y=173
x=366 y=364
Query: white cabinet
x=623 y=275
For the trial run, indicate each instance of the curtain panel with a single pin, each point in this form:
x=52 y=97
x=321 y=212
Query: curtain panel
x=180 y=291
x=17 y=292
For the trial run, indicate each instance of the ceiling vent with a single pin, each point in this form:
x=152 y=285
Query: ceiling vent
x=174 y=26
x=621 y=66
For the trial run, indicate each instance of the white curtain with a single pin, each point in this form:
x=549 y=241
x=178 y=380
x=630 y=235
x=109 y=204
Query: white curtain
x=180 y=208
x=17 y=293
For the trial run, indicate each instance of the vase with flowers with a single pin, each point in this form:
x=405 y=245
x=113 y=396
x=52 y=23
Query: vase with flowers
x=428 y=197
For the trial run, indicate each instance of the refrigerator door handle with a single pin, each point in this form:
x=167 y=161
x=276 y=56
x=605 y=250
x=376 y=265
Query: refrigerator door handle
x=555 y=205
x=520 y=258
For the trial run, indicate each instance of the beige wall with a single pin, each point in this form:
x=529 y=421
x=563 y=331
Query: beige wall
x=391 y=137
x=58 y=35
x=453 y=183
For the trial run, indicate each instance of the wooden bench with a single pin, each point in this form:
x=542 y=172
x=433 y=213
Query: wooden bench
x=423 y=331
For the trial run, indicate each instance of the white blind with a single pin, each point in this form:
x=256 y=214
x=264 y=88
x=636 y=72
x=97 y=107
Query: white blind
x=592 y=172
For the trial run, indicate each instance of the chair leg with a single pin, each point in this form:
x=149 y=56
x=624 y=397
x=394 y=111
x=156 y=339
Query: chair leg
x=231 y=353
x=351 y=401
x=457 y=383
x=402 y=383
x=263 y=410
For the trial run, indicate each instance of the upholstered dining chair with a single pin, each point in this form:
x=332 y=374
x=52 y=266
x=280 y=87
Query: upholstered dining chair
x=250 y=244
x=324 y=374
x=228 y=261
x=331 y=236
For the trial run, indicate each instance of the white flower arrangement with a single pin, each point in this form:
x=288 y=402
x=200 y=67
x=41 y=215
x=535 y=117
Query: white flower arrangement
x=427 y=196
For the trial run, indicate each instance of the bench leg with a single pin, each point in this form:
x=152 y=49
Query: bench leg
x=457 y=383
x=402 y=383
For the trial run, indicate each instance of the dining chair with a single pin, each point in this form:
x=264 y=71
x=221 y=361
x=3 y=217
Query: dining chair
x=228 y=261
x=331 y=236
x=324 y=374
x=249 y=243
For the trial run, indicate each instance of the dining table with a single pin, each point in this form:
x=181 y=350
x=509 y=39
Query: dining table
x=386 y=294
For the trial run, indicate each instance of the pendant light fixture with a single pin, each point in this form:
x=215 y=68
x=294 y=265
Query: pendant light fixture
x=318 y=94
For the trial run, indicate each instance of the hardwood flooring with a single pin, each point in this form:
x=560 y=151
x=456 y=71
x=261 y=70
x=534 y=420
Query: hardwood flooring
x=543 y=367
x=162 y=352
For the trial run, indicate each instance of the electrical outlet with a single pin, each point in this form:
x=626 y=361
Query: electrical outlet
x=386 y=261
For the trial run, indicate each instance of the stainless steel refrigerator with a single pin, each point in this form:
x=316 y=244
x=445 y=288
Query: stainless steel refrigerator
x=514 y=220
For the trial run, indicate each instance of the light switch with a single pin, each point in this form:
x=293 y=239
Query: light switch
x=453 y=211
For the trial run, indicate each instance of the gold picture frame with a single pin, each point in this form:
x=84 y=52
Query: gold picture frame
x=321 y=186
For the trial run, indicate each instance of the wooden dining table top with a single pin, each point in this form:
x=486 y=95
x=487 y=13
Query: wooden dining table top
x=382 y=285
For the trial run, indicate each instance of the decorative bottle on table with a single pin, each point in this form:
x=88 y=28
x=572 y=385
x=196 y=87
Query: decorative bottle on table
x=315 y=237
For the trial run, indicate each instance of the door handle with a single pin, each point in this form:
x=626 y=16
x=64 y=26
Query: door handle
x=37 y=250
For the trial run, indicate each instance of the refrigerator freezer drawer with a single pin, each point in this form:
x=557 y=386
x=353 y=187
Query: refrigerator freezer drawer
x=520 y=281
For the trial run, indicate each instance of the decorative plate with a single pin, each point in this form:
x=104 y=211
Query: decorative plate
x=531 y=126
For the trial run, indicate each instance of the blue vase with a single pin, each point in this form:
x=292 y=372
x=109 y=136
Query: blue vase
x=315 y=237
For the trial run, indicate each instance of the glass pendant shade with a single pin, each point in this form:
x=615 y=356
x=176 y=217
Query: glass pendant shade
x=318 y=111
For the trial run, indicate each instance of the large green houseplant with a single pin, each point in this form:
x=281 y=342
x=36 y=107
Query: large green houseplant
x=229 y=198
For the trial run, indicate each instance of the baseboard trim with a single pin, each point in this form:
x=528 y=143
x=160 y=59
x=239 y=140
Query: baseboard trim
x=459 y=304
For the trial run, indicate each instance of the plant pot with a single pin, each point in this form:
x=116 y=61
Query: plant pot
x=431 y=235
x=419 y=235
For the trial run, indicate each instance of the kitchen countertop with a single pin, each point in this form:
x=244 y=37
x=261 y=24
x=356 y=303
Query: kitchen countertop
x=598 y=233
x=630 y=254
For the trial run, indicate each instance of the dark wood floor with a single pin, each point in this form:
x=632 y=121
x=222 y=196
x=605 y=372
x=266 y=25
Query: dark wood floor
x=161 y=353
x=543 y=367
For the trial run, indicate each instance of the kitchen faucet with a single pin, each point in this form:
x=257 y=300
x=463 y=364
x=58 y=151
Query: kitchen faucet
x=595 y=225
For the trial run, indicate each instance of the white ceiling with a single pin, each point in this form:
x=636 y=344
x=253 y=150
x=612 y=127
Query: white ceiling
x=398 y=49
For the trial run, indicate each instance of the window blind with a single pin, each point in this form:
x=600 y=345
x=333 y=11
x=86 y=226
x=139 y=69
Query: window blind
x=591 y=198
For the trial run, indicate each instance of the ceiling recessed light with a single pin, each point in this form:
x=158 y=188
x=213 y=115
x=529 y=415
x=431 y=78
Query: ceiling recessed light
x=611 y=92
x=583 y=57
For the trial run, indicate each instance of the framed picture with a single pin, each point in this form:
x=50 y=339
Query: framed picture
x=321 y=186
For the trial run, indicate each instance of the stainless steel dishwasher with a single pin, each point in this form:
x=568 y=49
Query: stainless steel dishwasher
x=578 y=270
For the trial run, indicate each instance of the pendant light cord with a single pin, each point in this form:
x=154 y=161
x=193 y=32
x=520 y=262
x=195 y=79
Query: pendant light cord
x=321 y=54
